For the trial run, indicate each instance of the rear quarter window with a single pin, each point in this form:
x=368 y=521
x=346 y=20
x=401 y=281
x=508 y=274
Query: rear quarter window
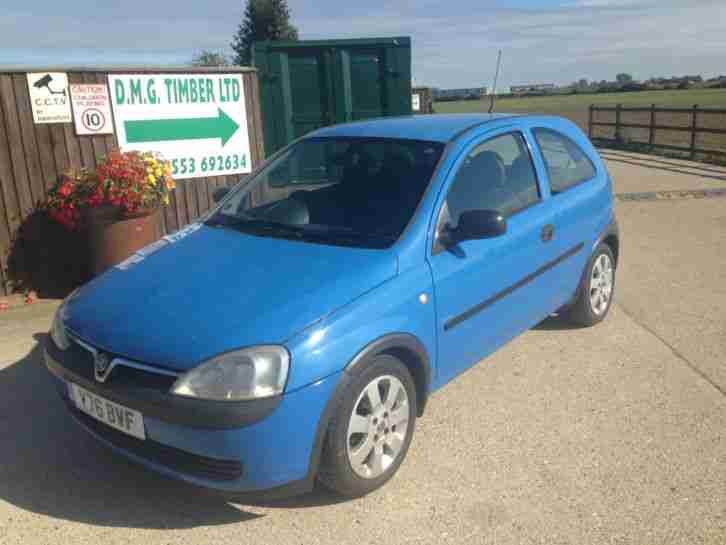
x=567 y=164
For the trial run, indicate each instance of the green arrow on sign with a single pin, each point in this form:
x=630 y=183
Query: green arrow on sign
x=193 y=128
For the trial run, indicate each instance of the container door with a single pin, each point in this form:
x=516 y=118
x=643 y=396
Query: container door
x=367 y=84
x=397 y=80
x=308 y=85
x=309 y=92
x=371 y=83
x=362 y=70
x=271 y=98
x=294 y=93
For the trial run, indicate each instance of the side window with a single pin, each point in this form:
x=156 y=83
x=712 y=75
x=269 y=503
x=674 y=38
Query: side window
x=496 y=175
x=567 y=164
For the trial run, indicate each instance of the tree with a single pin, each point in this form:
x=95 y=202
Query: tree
x=263 y=20
x=210 y=58
x=623 y=78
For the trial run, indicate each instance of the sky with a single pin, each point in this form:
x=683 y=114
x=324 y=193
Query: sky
x=455 y=42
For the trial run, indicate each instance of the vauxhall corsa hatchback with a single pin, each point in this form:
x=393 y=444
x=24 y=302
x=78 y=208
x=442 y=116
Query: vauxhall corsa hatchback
x=296 y=332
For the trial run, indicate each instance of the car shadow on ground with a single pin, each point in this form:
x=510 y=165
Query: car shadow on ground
x=555 y=323
x=50 y=466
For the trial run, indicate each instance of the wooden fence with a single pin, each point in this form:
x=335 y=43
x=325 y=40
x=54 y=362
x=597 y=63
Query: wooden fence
x=654 y=127
x=33 y=155
x=423 y=97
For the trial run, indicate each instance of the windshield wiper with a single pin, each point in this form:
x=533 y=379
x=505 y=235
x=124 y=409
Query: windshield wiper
x=339 y=232
x=257 y=225
x=311 y=231
x=227 y=219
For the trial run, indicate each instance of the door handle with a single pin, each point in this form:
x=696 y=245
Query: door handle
x=548 y=232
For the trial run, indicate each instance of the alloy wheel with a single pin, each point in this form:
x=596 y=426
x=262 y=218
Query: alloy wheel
x=378 y=426
x=601 y=284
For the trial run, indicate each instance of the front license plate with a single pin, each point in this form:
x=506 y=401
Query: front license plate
x=115 y=415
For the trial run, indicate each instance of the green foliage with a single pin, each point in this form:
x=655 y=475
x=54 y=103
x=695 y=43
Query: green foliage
x=623 y=78
x=211 y=58
x=263 y=20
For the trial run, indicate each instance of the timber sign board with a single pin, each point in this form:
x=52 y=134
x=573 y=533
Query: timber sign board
x=196 y=121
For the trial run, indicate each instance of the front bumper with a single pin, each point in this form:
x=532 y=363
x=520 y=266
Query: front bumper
x=149 y=393
x=273 y=452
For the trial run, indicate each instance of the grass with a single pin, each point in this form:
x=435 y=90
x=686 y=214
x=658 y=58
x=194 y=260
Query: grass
x=575 y=108
x=557 y=104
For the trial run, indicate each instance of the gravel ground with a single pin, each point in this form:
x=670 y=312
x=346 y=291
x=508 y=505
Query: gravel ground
x=610 y=435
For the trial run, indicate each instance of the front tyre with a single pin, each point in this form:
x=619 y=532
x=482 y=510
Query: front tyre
x=369 y=435
x=596 y=289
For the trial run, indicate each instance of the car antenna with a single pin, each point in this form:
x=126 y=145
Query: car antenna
x=496 y=77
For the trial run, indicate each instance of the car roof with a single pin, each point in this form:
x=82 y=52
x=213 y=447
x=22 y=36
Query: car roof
x=436 y=127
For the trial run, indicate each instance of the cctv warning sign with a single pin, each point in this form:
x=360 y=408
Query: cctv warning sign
x=49 y=97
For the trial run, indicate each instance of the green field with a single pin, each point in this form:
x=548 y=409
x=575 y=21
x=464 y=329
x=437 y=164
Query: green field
x=575 y=107
x=558 y=104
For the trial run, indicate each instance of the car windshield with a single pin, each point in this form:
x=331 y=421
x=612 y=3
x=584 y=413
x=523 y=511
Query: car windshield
x=348 y=191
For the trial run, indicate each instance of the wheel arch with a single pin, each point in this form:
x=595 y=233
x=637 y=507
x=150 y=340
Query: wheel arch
x=410 y=351
x=611 y=237
x=613 y=241
x=404 y=346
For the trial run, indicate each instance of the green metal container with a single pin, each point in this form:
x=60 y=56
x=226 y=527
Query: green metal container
x=310 y=84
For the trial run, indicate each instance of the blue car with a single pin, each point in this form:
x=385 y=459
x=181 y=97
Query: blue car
x=296 y=332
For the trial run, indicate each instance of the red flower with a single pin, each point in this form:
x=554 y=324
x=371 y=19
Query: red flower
x=120 y=180
x=65 y=190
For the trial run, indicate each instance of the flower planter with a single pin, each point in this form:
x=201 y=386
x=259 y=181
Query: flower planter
x=113 y=236
x=117 y=205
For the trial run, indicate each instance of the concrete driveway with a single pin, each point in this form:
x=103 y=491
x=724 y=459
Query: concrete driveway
x=610 y=435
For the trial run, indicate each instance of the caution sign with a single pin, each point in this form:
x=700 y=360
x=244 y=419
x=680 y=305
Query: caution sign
x=49 y=97
x=91 y=108
x=197 y=121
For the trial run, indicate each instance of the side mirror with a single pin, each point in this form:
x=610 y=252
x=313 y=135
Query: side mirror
x=220 y=193
x=475 y=225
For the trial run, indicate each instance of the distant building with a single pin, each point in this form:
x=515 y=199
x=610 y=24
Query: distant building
x=532 y=89
x=673 y=82
x=719 y=81
x=468 y=93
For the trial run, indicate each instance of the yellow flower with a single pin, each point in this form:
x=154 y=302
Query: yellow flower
x=149 y=170
x=165 y=200
x=157 y=172
x=152 y=179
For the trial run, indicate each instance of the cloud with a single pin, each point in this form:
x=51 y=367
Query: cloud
x=454 y=43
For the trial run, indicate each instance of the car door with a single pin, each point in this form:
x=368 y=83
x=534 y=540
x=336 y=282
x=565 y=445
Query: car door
x=487 y=291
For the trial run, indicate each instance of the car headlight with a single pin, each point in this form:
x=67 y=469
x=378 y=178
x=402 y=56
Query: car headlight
x=58 y=330
x=250 y=373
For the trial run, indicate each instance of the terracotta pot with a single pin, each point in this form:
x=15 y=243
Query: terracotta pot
x=113 y=236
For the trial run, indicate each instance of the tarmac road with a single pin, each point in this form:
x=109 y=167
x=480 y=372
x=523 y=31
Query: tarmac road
x=610 y=435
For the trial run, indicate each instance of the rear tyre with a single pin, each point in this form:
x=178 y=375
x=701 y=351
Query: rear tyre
x=369 y=434
x=596 y=290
